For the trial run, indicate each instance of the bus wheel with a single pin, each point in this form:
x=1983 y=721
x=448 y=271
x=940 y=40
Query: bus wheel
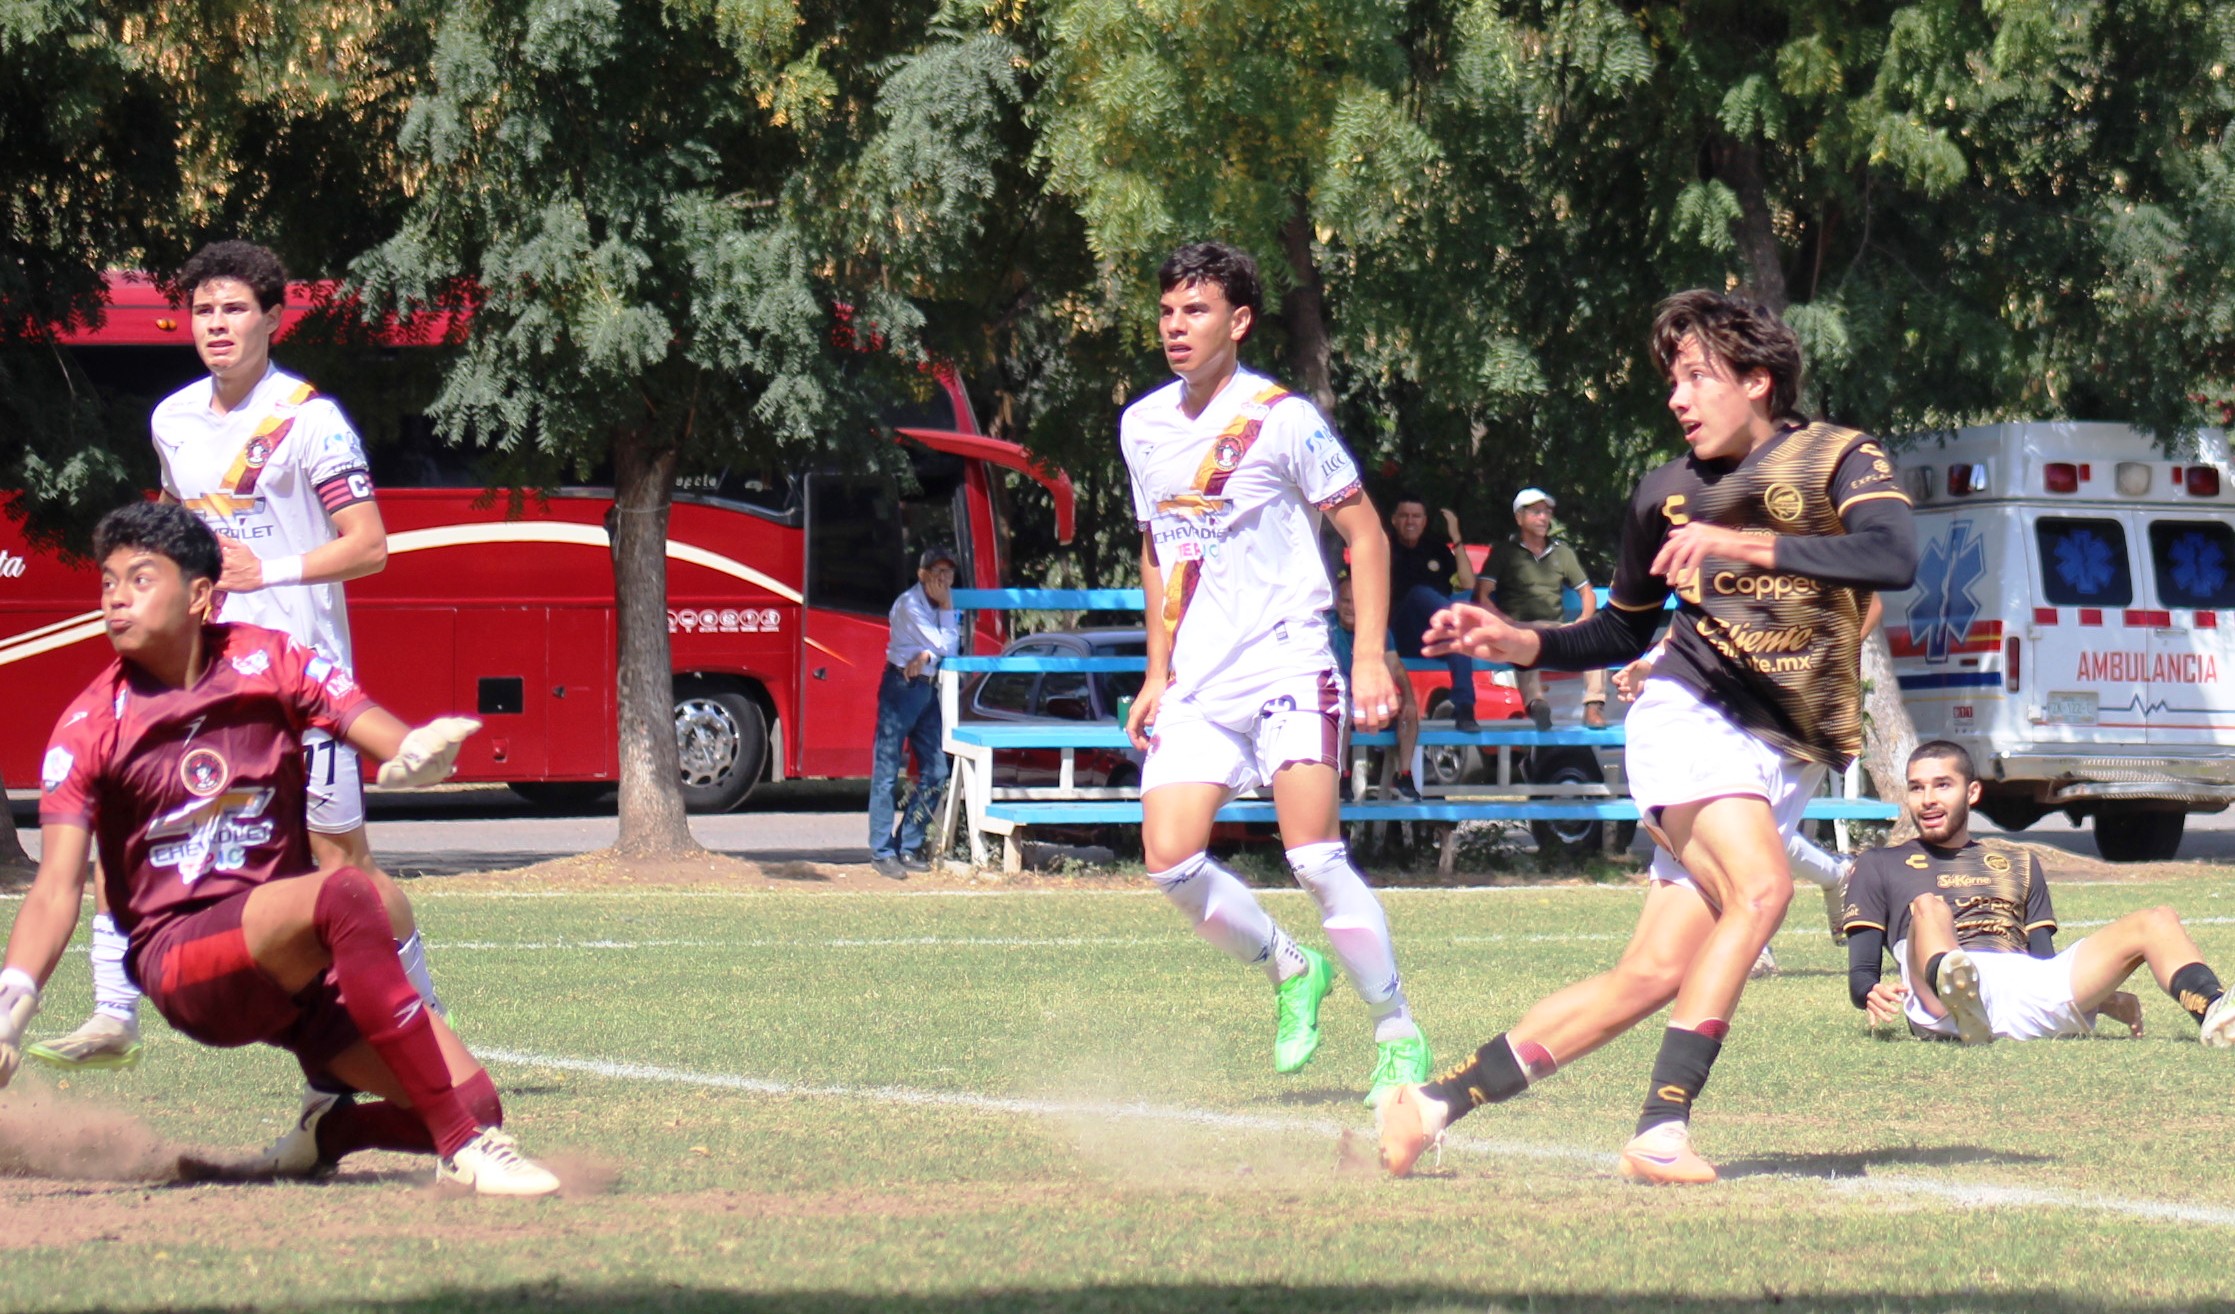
x=722 y=739
x=2138 y=834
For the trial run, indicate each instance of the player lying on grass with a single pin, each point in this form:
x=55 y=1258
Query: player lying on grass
x=1774 y=531
x=1971 y=927
x=185 y=759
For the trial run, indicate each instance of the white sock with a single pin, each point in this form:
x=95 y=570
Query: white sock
x=1229 y=916
x=113 y=991
x=1812 y=863
x=413 y=954
x=1358 y=932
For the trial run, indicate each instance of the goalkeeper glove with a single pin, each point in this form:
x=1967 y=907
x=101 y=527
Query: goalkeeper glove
x=19 y=1003
x=428 y=753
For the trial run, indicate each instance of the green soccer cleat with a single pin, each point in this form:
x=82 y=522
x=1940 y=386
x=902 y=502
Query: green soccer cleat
x=102 y=1042
x=1296 y=1015
x=1399 y=1063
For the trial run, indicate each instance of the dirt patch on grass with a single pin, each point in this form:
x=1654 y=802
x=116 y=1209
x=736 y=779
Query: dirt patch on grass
x=603 y=870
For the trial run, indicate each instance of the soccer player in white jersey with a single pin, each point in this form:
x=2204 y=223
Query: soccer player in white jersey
x=278 y=473
x=1231 y=474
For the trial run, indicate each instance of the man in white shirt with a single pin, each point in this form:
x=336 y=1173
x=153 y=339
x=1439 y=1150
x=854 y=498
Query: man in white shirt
x=926 y=629
x=1231 y=474
x=276 y=471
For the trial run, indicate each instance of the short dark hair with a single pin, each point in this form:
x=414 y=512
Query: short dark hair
x=254 y=265
x=1230 y=267
x=1408 y=496
x=1740 y=331
x=1948 y=750
x=164 y=528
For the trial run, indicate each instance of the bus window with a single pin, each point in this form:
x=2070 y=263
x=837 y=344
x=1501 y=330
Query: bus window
x=2195 y=563
x=2083 y=562
x=769 y=492
x=855 y=557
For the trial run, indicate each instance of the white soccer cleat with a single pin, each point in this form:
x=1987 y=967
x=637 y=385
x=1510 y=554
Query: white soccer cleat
x=1663 y=1156
x=428 y=754
x=492 y=1164
x=295 y=1153
x=2219 y=1023
x=1957 y=984
x=1765 y=964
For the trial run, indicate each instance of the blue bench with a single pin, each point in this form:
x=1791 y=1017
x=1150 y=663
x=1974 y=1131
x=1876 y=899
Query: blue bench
x=977 y=806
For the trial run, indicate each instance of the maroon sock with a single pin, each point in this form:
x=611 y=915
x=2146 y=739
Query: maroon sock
x=480 y=1096
x=376 y=1126
x=353 y=925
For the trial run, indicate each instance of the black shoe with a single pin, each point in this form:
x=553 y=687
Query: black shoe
x=1540 y=712
x=1405 y=789
x=889 y=868
x=915 y=862
x=1465 y=723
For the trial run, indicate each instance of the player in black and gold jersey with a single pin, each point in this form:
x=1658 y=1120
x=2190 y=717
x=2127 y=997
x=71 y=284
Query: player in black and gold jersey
x=1774 y=531
x=1970 y=924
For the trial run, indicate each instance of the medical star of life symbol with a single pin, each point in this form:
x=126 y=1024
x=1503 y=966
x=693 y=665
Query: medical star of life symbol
x=1941 y=613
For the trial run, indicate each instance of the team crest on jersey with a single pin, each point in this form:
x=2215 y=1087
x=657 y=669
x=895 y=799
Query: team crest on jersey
x=1228 y=452
x=204 y=772
x=1996 y=862
x=256 y=663
x=56 y=768
x=1784 y=501
x=259 y=452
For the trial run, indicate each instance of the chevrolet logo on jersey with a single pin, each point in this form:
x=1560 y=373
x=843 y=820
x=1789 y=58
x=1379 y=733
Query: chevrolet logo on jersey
x=1192 y=504
x=1917 y=860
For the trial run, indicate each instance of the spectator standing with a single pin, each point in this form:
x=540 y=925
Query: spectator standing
x=926 y=630
x=1525 y=577
x=1422 y=573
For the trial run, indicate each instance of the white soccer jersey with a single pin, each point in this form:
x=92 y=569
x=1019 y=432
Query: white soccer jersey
x=270 y=472
x=1232 y=500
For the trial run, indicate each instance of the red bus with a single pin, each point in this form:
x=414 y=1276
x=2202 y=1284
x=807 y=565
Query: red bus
x=778 y=585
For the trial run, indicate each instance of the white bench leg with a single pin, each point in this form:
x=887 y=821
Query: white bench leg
x=1012 y=853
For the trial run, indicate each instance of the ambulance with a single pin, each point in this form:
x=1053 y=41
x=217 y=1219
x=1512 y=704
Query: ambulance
x=2072 y=623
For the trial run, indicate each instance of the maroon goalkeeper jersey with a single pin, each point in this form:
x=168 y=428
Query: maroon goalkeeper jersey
x=196 y=794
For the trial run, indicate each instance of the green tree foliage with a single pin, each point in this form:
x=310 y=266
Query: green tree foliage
x=655 y=211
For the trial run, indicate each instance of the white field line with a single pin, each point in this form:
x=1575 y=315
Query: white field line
x=1960 y=1194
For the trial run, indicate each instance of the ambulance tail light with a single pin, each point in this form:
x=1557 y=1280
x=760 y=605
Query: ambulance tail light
x=2201 y=481
x=2013 y=662
x=1920 y=483
x=1964 y=480
x=2062 y=476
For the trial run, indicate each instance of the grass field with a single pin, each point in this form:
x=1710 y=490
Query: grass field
x=1063 y=1101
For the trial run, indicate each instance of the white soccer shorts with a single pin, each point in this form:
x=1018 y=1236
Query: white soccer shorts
x=336 y=784
x=1300 y=720
x=1681 y=750
x=2027 y=998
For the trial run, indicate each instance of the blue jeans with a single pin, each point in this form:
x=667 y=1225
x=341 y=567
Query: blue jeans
x=907 y=712
x=1409 y=618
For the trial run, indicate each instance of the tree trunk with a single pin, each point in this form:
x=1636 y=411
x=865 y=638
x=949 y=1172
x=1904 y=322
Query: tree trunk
x=1305 y=310
x=1888 y=733
x=652 y=821
x=12 y=857
x=1739 y=165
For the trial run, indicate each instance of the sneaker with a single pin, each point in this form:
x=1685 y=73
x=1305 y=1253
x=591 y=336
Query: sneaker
x=914 y=862
x=1765 y=964
x=295 y=1153
x=1404 y=789
x=1296 y=1016
x=1465 y=723
x=103 y=1041
x=1663 y=1156
x=1594 y=716
x=1411 y=1124
x=1404 y=1062
x=492 y=1164
x=889 y=867
x=1957 y=984
x=1540 y=712
x=2219 y=1023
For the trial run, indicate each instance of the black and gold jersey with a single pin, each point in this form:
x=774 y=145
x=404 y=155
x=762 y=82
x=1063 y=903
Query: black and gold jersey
x=1776 y=648
x=1995 y=889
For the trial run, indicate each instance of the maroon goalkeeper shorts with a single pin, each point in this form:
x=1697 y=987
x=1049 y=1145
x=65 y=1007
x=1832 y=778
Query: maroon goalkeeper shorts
x=197 y=973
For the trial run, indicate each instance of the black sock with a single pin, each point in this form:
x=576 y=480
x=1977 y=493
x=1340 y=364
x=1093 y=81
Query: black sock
x=1492 y=1076
x=2194 y=988
x=1678 y=1075
x=1932 y=973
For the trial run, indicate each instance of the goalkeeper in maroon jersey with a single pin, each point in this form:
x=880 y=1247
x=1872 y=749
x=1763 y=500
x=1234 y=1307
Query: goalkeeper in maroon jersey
x=183 y=762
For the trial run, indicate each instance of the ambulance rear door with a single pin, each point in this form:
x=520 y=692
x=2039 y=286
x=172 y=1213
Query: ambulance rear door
x=2190 y=557
x=2089 y=667
x=1946 y=631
